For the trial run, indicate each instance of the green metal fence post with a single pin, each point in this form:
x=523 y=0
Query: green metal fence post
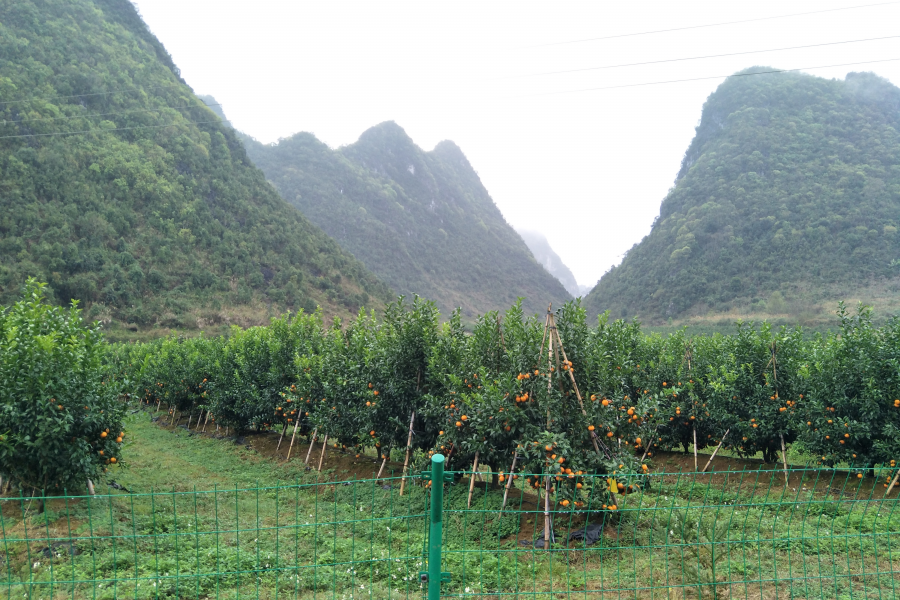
x=433 y=576
x=437 y=527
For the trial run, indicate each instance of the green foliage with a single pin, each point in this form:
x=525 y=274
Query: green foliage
x=421 y=221
x=60 y=415
x=787 y=193
x=153 y=215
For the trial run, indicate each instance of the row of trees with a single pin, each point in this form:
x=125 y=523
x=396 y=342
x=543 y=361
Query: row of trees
x=603 y=406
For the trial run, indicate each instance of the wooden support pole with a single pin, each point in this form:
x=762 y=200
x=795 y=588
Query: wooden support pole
x=281 y=437
x=574 y=385
x=716 y=451
x=472 y=480
x=695 y=449
x=322 y=456
x=408 y=449
x=784 y=459
x=893 y=483
x=190 y=417
x=547 y=515
x=510 y=480
x=158 y=404
x=296 y=423
x=90 y=487
x=312 y=442
x=205 y=421
x=383 y=463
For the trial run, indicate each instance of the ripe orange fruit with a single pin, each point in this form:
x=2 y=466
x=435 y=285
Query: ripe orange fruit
x=590 y=427
x=103 y=434
x=605 y=402
x=609 y=434
x=441 y=433
x=375 y=392
x=464 y=418
x=119 y=440
x=548 y=447
x=459 y=423
x=113 y=459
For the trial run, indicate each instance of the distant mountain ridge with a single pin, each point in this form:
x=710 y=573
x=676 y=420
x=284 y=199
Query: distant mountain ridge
x=550 y=260
x=422 y=221
x=788 y=194
x=151 y=214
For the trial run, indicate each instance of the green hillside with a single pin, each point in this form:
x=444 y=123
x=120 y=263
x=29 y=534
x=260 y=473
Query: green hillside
x=545 y=254
x=421 y=221
x=787 y=200
x=151 y=213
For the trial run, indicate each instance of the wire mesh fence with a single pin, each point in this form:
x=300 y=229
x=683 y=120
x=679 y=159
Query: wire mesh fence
x=739 y=534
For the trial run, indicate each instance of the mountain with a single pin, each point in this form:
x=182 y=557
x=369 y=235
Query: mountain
x=120 y=188
x=788 y=199
x=421 y=221
x=550 y=260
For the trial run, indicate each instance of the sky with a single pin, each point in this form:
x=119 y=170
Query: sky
x=569 y=134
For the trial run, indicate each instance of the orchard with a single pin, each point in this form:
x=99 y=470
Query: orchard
x=550 y=398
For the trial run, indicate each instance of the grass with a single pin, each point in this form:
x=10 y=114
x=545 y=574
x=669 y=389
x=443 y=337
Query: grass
x=260 y=528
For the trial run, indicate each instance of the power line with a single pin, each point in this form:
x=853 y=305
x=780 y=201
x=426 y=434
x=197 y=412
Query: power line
x=630 y=85
x=124 y=112
x=669 y=60
x=624 y=35
x=33 y=135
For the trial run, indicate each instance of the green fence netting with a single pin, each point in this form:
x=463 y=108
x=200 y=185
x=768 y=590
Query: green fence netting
x=736 y=534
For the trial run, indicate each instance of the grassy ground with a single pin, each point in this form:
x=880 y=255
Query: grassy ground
x=260 y=527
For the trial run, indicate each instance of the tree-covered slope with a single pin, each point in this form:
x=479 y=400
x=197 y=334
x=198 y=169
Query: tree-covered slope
x=151 y=213
x=421 y=221
x=545 y=254
x=790 y=191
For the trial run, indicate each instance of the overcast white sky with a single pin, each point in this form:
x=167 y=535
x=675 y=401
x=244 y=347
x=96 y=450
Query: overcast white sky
x=586 y=168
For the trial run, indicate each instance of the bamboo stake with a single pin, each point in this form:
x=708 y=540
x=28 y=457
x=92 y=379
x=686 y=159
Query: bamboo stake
x=547 y=515
x=322 y=456
x=200 y=418
x=510 y=480
x=296 y=424
x=784 y=459
x=381 y=469
x=695 y=449
x=544 y=337
x=647 y=449
x=893 y=483
x=408 y=448
x=283 y=429
x=472 y=480
x=158 y=404
x=312 y=442
x=90 y=487
x=575 y=386
x=190 y=416
x=709 y=462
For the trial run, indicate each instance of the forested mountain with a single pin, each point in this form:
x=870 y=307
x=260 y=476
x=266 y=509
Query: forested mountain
x=422 y=221
x=123 y=190
x=547 y=256
x=788 y=195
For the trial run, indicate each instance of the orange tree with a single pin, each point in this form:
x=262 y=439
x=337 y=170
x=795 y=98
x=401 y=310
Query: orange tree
x=61 y=420
x=760 y=377
x=369 y=378
x=852 y=404
x=502 y=395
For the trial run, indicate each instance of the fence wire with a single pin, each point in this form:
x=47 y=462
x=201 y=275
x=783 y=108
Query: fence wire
x=738 y=534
